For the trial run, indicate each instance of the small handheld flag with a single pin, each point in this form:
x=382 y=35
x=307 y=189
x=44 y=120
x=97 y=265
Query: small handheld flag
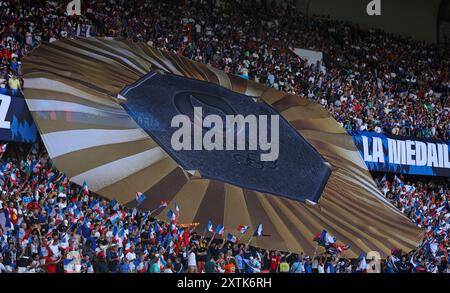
x=220 y=229
x=3 y=148
x=231 y=237
x=209 y=227
x=243 y=229
x=258 y=231
x=114 y=204
x=171 y=215
x=140 y=197
x=85 y=188
x=164 y=203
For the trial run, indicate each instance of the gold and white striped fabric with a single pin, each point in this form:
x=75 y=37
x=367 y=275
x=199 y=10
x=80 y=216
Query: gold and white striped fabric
x=71 y=89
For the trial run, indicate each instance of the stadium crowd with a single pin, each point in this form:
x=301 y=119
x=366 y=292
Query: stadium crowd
x=48 y=224
x=426 y=203
x=370 y=80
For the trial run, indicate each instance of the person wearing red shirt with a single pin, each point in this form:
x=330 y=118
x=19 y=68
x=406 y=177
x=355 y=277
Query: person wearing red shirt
x=50 y=265
x=275 y=260
x=186 y=238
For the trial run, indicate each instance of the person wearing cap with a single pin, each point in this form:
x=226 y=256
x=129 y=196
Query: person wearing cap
x=307 y=265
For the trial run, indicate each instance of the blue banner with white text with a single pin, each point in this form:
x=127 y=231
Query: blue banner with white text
x=395 y=154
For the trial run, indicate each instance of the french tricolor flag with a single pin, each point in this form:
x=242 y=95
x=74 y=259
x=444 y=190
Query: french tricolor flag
x=140 y=197
x=157 y=227
x=398 y=181
x=209 y=227
x=326 y=238
x=220 y=229
x=114 y=218
x=13 y=178
x=242 y=229
x=258 y=231
x=231 y=237
x=172 y=217
x=164 y=203
x=173 y=228
x=85 y=188
x=3 y=148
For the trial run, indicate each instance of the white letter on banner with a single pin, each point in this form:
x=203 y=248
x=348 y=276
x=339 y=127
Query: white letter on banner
x=5 y=101
x=432 y=155
x=440 y=155
x=378 y=154
x=446 y=161
x=397 y=151
x=402 y=150
x=421 y=153
x=392 y=147
x=181 y=138
x=410 y=152
x=367 y=156
x=213 y=139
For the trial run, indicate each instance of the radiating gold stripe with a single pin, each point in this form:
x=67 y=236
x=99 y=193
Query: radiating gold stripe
x=235 y=209
x=125 y=190
x=93 y=157
x=285 y=232
x=189 y=198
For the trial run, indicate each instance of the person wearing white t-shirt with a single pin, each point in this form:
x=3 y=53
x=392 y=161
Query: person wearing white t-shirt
x=192 y=262
x=321 y=267
x=315 y=265
x=131 y=257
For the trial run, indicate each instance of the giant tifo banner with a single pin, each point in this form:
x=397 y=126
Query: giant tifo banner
x=385 y=153
x=16 y=123
x=103 y=108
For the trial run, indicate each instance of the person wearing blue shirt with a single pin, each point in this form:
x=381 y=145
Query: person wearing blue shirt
x=329 y=267
x=297 y=266
x=390 y=266
x=308 y=267
x=124 y=267
x=240 y=261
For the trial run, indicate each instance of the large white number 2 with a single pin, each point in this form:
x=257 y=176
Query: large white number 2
x=4 y=106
